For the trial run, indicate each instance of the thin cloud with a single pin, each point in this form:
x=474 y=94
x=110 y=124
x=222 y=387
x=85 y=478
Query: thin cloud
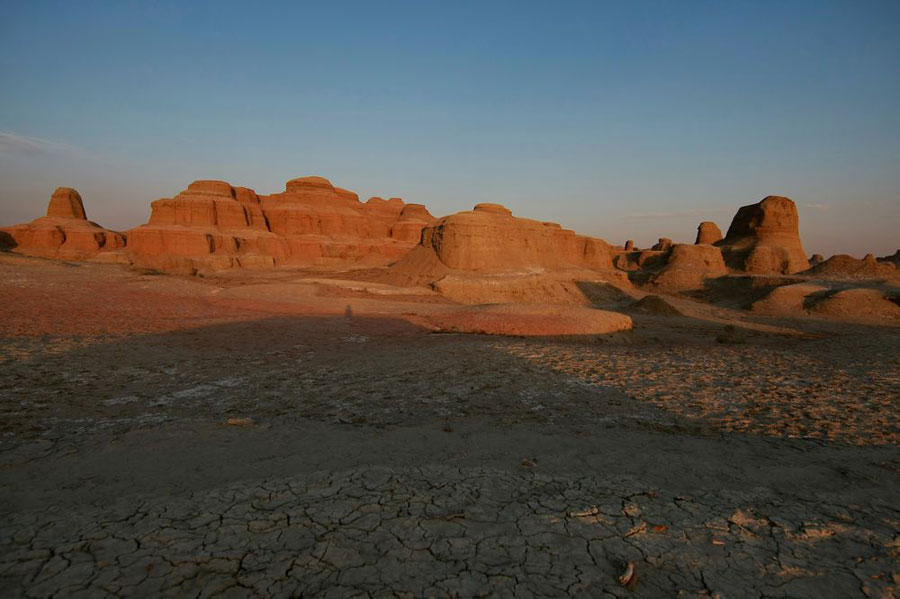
x=12 y=143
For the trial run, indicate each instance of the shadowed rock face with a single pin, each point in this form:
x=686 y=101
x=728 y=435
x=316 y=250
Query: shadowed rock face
x=64 y=233
x=765 y=238
x=664 y=244
x=708 y=233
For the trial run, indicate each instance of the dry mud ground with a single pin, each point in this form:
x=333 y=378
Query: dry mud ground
x=369 y=457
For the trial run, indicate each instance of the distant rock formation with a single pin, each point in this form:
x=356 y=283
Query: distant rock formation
x=664 y=244
x=816 y=259
x=212 y=225
x=708 y=233
x=849 y=305
x=893 y=259
x=688 y=266
x=844 y=267
x=65 y=232
x=765 y=238
x=629 y=245
x=487 y=254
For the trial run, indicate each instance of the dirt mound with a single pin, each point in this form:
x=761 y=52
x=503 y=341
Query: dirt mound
x=653 y=304
x=788 y=300
x=842 y=266
x=530 y=320
x=64 y=233
x=765 y=238
x=859 y=305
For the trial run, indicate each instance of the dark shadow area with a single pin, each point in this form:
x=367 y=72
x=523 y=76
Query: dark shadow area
x=739 y=291
x=7 y=242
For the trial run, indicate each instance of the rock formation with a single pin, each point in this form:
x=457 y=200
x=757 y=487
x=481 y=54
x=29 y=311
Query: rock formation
x=529 y=320
x=664 y=244
x=844 y=267
x=64 y=233
x=893 y=259
x=212 y=225
x=487 y=254
x=629 y=245
x=708 y=232
x=688 y=266
x=765 y=238
x=816 y=259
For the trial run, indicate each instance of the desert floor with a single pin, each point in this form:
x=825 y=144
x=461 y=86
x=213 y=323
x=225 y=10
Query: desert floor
x=296 y=434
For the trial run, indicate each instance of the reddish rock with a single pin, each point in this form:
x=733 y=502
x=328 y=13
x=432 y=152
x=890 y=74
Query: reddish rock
x=487 y=254
x=529 y=320
x=765 y=238
x=629 y=245
x=66 y=203
x=212 y=225
x=708 y=233
x=688 y=267
x=64 y=233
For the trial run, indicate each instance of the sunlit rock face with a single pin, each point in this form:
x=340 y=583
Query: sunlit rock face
x=65 y=232
x=212 y=225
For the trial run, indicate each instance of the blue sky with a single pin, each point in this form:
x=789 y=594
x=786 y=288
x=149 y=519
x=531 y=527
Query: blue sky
x=617 y=119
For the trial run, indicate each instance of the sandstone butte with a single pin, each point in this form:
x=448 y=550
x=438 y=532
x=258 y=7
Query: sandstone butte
x=764 y=238
x=65 y=232
x=212 y=225
x=487 y=254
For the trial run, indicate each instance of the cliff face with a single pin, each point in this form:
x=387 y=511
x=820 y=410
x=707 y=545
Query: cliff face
x=213 y=225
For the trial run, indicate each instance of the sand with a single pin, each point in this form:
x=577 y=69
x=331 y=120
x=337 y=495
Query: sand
x=368 y=456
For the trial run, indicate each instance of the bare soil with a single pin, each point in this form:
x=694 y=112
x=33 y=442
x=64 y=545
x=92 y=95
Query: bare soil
x=301 y=434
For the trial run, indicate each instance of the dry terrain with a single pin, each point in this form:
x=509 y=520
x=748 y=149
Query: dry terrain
x=301 y=434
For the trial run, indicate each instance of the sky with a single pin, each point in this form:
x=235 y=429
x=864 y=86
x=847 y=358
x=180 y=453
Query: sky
x=621 y=120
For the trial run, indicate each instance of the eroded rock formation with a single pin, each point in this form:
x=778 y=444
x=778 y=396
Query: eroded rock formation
x=708 y=232
x=213 y=225
x=487 y=254
x=65 y=232
x=765 y=238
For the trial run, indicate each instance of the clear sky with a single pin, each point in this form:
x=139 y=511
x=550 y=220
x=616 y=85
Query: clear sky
x=622 y=120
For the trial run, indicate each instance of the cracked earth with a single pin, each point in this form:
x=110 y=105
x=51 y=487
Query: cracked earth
x=199 y=447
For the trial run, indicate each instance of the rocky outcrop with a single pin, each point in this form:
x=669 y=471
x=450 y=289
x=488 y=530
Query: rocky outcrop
x=765 y=238
x=688 y=267
x=708 y=232
x=844 y=267
x=892 y=259
x=65 y=232
x=212 y=225
x=487 y=254
x=663 y=245
x=629 y=245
